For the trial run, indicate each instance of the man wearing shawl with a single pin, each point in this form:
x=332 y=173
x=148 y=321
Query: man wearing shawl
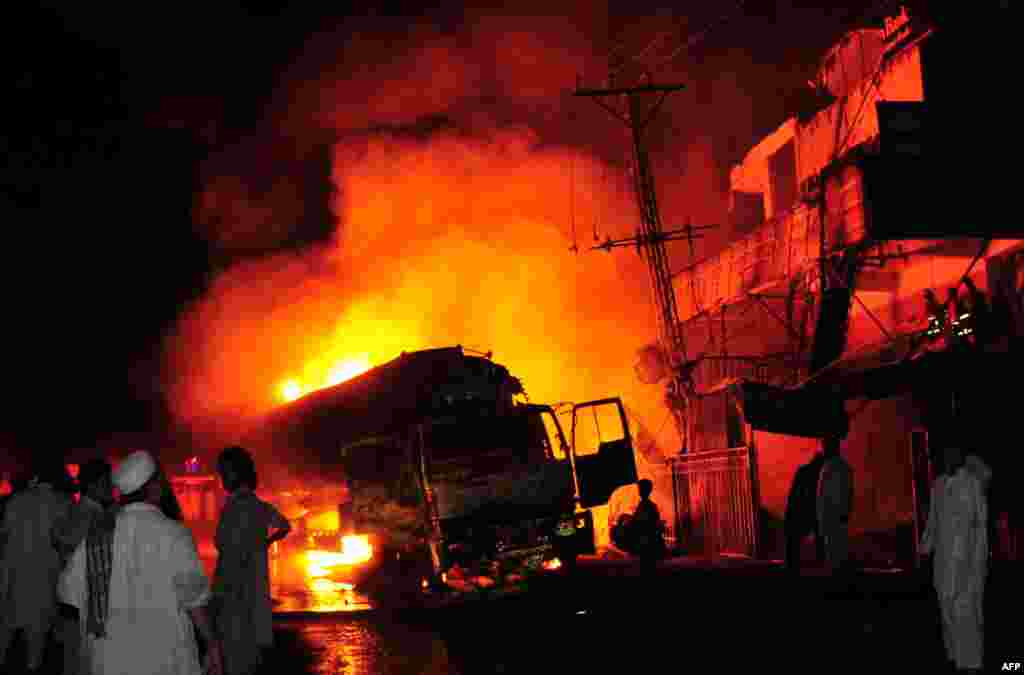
x=139 y=585
x=97 y=498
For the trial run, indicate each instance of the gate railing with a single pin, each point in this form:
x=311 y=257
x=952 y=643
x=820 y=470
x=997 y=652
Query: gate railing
x=716 y=501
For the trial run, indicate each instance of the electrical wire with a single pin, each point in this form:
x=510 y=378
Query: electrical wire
x=700 y=35
x=690 y=42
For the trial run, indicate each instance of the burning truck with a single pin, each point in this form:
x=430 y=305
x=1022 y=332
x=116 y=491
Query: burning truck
x=450 y=485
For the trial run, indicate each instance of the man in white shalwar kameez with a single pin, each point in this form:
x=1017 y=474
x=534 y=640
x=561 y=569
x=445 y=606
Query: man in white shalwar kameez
x=957 y=534
x=834 y=503
x=155 y=585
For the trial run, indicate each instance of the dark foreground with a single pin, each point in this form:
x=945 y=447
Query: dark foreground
x=729 y=617
x=687 y=616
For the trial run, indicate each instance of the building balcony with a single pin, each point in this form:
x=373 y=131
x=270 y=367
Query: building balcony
x=759 y=262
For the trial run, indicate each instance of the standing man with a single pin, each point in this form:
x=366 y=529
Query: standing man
x=835 y=501
x=139 y=586
x=30 y=562
x=957 y=534
x=248 y=527
x=801 y=516
x=97 y=499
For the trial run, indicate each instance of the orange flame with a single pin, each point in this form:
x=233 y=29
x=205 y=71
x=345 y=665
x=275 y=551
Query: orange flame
x=292 y=389
x=327 y=586
x=355 y=549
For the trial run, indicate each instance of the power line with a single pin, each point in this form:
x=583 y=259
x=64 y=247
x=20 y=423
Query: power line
x=736 y=10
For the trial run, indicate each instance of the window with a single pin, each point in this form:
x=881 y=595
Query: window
x=782 y=171
x=486 y=443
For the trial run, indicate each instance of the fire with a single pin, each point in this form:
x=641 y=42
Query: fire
x=355 y=549
x=291 y=390
x=346 y=370
x=343 y=370
x=327 y=586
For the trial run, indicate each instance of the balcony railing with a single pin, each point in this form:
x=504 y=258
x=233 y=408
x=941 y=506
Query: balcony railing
x=777 y=369
x=772 y=253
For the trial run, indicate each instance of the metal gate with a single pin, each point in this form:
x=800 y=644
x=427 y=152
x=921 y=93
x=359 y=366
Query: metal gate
x=716 y=501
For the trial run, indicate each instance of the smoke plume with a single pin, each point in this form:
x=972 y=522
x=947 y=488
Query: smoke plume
x=464 y=174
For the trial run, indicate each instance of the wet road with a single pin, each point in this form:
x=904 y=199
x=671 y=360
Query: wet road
x=618 y=621
x=501 y=638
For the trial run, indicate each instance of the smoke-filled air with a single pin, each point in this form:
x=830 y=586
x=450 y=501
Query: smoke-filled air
x=461 y=187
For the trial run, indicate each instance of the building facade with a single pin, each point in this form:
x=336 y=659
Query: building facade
x=816 y=286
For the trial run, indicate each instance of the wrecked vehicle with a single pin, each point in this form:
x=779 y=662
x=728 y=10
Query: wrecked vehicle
x=459 y=486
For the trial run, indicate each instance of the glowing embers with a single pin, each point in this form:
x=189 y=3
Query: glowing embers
x=552 y=565
x=291 y=389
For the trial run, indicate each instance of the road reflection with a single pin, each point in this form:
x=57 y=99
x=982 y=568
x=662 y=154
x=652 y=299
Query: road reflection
x=355 y=645
x=498 y=637
x=319 y=599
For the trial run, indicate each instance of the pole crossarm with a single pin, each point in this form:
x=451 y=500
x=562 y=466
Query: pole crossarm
x=630 y=120
x=647 y=88
x=645 y=238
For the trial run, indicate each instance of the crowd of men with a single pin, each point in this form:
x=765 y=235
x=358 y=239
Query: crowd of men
x=98 y=586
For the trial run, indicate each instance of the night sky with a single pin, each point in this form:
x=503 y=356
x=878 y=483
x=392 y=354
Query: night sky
x=116 y=120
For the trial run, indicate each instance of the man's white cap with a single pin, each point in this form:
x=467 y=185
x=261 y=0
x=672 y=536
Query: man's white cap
x=134 y=471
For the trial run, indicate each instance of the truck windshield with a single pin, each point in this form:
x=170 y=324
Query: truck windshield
x=485 y=444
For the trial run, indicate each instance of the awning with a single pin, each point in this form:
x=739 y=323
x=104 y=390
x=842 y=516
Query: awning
x=877 y=370
x=795 y=412
x=899 y=367
x=983 y=381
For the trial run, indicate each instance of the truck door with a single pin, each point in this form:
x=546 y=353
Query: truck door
x=602 y=450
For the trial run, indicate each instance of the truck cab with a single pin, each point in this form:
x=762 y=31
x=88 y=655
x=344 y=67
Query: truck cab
x=509 y=497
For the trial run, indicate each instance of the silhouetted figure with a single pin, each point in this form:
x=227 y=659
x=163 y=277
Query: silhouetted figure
x=957 y=534
x=30 y=564
x=801 y=516
x=835 y=502
x=642 y=533
x=979 y=313
x=248 y=526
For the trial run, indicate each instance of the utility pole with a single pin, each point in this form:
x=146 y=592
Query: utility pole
x=650 y=238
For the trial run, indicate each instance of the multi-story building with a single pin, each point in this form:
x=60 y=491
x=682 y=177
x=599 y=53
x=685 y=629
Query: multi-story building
x=817 y=286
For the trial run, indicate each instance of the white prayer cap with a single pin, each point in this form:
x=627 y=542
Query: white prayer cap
x=134 y=471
